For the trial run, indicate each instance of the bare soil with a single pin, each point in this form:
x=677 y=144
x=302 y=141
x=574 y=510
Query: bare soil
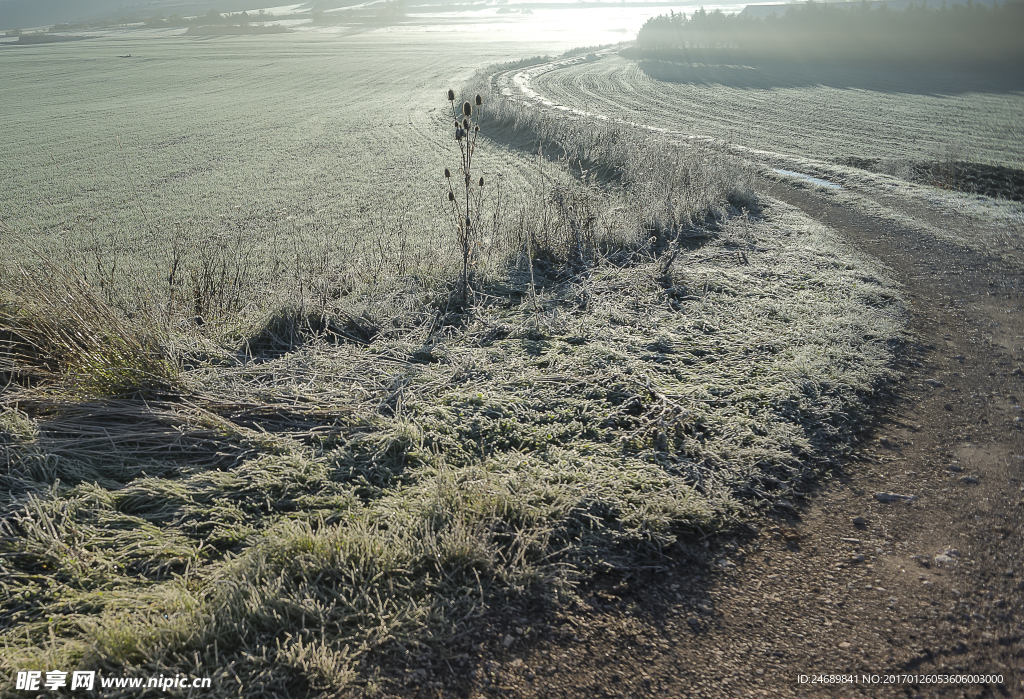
x=842 y=584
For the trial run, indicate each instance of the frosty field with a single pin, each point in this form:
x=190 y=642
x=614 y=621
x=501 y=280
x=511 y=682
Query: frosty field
x=269 y=137
x=356 y=479
x=823 y=112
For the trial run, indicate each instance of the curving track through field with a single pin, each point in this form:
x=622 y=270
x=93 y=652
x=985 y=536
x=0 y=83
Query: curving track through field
x=825 y=113
x=928 y=595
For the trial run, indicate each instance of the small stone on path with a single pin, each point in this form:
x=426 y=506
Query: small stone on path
x=893 y=497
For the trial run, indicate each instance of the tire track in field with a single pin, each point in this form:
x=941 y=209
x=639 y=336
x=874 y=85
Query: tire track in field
x=805 y=116
x=850 y=114
x=517 y=85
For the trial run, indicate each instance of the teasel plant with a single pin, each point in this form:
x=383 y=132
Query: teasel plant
x=464 y=191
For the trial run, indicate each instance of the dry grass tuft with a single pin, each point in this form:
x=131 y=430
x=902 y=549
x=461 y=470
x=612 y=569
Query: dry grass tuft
x=56 y=329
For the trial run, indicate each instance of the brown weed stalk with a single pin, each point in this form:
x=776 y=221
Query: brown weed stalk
x=465 y=207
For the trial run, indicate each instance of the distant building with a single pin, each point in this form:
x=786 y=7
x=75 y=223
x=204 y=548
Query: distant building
x=761 y=11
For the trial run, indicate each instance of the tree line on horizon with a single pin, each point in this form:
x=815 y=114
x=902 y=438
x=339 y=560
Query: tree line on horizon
x=814 y=30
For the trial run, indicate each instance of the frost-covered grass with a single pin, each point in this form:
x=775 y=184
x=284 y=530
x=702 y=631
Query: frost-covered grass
x=318 y=519
x=237 y=448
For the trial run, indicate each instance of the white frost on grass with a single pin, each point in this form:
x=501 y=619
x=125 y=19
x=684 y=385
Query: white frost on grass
x=977 y=222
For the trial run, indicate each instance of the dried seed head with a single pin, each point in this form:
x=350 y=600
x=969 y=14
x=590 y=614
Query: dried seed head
x=481 y=181
x=467 y=108
x=451 y=95
x=459 y=134
x=477 y=128
x=479 y=100
x=465 y=124
x=451 y=196
x=447 y=173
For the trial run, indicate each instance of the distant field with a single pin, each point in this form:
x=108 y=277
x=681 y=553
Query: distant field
x=322 y=135
x=816 y=111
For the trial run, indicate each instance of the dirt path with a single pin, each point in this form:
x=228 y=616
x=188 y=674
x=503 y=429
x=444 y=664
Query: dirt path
x=847 y=585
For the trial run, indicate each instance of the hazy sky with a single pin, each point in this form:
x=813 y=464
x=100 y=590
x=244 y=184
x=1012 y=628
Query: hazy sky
x=35 y=13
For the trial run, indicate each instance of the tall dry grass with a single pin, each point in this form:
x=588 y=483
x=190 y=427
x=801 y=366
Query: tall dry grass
x=657 y=187
x=56 y=328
